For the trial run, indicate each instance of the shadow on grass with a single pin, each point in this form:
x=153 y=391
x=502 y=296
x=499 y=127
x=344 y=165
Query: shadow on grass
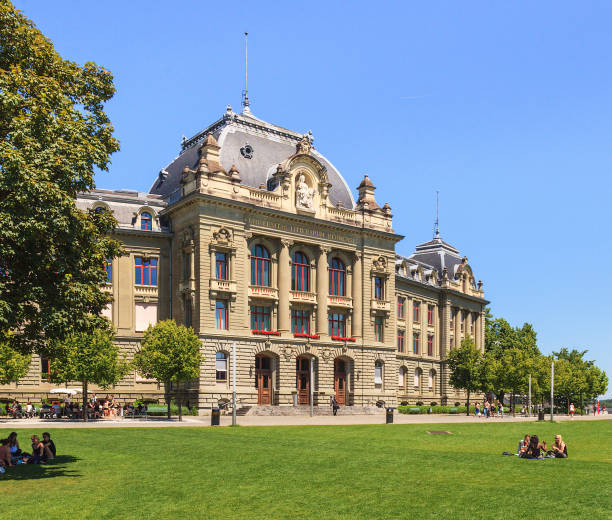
x=54 y=468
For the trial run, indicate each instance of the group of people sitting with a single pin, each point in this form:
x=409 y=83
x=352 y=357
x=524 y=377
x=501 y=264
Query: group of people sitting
x=11 y=454
x=531 y=448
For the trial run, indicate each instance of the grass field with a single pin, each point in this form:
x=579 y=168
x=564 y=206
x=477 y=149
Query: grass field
x=339 y=472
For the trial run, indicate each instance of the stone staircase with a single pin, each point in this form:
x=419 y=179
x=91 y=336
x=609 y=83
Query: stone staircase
x=244 y=410
x=262 y=410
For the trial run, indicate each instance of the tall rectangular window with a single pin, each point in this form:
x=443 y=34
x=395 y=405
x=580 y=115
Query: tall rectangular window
x=452 y=342
x=44 y=368
x=300 y=322
x=472 y=321
x=401 y=302
x=186 y=265
x=109 y=270
x=430 y=315
x=337 y=324
x=430 y=342
x=462 y=321
x=379 y=288
x=221 y=315
x=188 y=311
x=146 y=271
x=400 y=340
x=416 y=311
x=379 y=328
x=415 y=342
x=452 y=318
x=221 y=367
x=261 y=318
x=221 y=270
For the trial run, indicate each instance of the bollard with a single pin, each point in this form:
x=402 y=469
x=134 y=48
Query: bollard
x=389 y=416
x=215 y=417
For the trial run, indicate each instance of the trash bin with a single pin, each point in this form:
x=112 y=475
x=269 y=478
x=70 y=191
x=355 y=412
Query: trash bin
x=389 y=416
x=540 y=415
x=215 y=417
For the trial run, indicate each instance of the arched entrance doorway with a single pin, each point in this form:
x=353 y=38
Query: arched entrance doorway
x=263 y=378
x=340 y=381
x=302 y=379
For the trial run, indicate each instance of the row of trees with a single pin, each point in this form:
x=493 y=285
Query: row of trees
x=169 y=353
x=511 y=356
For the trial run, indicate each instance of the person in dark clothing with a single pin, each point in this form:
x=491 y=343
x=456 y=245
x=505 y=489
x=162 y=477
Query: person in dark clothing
x=37 y=451
x=334 y=405
x=535 y=448
x=49 y=446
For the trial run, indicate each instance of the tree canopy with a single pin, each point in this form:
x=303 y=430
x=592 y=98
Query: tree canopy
x=169 y=353
x=88 y=357
x=53 y=133
x=13 y=364
x=465 y=365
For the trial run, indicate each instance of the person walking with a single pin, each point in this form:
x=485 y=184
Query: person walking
x=334 y=405
x=572 y=410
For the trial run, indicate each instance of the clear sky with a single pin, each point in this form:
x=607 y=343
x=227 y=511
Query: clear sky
x=505 y=107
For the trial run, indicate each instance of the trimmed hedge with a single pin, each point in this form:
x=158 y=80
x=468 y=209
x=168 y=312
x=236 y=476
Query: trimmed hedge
x=437 y=409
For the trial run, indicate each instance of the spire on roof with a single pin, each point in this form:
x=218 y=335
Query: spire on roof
x=245 y=94
x=437 y=223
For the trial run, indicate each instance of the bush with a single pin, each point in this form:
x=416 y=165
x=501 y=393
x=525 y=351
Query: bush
x=434 y=409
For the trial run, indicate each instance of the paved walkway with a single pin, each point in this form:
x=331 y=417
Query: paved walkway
x=281 y=420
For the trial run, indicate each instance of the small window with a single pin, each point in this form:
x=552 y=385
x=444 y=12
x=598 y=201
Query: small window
x=109 y=270
x=300 y=322
x=221 y=366
x=401 y=380
x=300 y=272
x=430 y=342
x=45 y=368
x=221 y=267
x=337 y=324
x=378 y=373
x=417 y=378
x=260 y=266
x=379 y=288
x=430 y=314
x=416 y=311
x=379 y=328
x=221 y=314
x=337 y=277
x=146 y=271
x=146 y=223
x=401 y=301
x=415 y=342
x=261 y=318
x=400 y=341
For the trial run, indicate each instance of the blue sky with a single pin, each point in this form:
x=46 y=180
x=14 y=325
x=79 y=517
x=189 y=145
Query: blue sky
x=506 y=108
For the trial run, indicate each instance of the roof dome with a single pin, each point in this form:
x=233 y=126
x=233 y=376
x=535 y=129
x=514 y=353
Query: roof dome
x=252 y=146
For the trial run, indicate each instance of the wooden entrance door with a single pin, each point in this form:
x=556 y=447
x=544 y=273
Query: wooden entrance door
x=302 y=376
x=340 y=381
x=263 y=379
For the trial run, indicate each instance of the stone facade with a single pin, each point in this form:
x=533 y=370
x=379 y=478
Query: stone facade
x=254 y=238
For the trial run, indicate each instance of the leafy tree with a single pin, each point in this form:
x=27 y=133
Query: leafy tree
x=53 y=132
x=465 y=367
x=169 y=353
x=515 y=366
x=13 y=364
x=88 y=357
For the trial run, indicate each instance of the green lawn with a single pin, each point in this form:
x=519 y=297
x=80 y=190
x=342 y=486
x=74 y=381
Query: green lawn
x=352 y=472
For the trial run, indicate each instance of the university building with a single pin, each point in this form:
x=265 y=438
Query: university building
x=252 y=236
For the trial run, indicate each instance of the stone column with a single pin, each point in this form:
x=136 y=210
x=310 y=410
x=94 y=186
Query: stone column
x=357 y=296
x=284 y=281
x=322 y=291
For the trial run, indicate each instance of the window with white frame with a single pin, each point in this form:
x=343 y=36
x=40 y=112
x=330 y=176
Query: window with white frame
x=378 y=373
x=221 y=367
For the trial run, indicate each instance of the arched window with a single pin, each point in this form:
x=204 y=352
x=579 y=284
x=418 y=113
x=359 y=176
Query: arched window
x=417 y=378
x=402 y=378
x=300 y=274
x=146 y=222
x=432 y=378
x=378 y=373
x=337 y=277
x=260 y=266
x=221 y=366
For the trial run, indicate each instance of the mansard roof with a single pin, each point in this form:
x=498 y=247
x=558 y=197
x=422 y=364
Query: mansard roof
x=439 y=255
x=255 y=148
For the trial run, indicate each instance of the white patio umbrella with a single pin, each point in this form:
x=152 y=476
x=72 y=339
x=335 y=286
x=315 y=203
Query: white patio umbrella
x=70 y=391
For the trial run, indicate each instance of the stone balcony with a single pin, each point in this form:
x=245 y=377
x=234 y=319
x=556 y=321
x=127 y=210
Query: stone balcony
x=380 y=305
x=227 y=286
x=303 y=296
x=258 y=291
x=145 y=293
x=340 y=301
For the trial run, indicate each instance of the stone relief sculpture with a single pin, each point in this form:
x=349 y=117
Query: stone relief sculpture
x=303 y=193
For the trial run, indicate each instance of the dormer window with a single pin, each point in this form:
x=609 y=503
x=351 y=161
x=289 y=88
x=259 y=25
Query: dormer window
x=146 y=222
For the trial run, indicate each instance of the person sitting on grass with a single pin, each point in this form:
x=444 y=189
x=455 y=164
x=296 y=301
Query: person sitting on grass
x=535 y=448
x=14 y=449
x=49 y=446
x=559 y=448
x=5 y=454
x=523 y=445
x=38 y=450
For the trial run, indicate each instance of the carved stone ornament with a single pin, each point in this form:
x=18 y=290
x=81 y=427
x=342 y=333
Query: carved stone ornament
x=304 y=145
x=303 y=193
x=380 y=264
x=222 y=236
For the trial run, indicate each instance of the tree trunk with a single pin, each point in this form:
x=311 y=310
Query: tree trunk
x=85 y=418
x=167 y=385
x=180 y=403
x=468 y=403
x=513 y=404
x=581 y=404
